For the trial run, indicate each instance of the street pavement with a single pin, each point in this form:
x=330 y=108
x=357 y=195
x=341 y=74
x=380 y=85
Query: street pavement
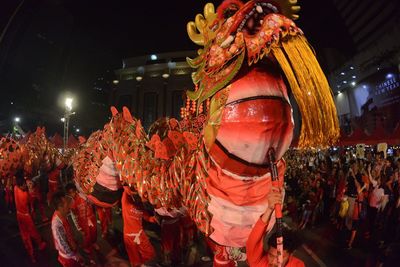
x=321 y=246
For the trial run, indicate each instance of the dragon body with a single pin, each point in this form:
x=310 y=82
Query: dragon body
x=30 y=154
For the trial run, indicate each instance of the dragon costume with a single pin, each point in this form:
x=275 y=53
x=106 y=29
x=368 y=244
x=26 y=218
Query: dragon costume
x=217 y=160
x=31 y=153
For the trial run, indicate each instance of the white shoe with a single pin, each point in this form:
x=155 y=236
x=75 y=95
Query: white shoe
x=205 y=258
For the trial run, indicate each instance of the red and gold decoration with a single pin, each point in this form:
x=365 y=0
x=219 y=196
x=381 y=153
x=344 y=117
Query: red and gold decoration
x=32 y=153
x=221 y=159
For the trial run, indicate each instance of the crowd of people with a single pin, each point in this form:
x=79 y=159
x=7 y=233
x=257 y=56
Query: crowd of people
x=359 y=197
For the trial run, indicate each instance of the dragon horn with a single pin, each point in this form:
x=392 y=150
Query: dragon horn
x=126 y=114
x=114 y=111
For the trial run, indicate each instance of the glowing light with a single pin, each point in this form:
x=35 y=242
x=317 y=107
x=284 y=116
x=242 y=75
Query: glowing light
x=353 y=83
x=353 y=76
x=165 y=75
x=63 y=119
x=153 y=57
x=17 y=119
x=309 y=93
x=115 y=82
x=78 y=130
x=139 y=78
x=68 y=103
x=339 y=92
x=342 y=73
x=344 y=81
x=351 y=67
x=389 y=76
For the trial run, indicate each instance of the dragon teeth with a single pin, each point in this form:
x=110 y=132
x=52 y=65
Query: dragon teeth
x=259 y=9
x=227 y=41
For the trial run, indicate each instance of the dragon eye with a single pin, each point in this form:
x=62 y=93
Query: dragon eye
x=228 y=8
x=230 y=11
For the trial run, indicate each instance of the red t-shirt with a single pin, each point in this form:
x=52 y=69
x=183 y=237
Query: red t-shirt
x=83 y=210
x=21 y=200
x=132 y=215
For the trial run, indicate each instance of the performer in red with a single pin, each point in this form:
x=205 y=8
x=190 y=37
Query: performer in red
x=35 y=197
x=9 y=194
x=105 y=217
x=54 y=180
x=62 y=233
x=170 y=234
x=26 y=227
x=137 y=244
x=84 y=218
x=256 y=256
x=188 y=230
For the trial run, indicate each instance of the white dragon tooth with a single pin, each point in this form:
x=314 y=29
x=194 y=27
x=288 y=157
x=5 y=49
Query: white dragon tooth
x=259 y=9
x=227 y=41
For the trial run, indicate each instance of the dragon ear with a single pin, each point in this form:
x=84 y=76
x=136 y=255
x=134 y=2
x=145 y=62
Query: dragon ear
x=114 y=111
x=127 y=115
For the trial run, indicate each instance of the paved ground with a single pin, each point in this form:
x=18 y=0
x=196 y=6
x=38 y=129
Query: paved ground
x=322 y=246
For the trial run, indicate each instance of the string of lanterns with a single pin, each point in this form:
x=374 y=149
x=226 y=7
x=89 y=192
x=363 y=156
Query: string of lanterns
x=192 y=108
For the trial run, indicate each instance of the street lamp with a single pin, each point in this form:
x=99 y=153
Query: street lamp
x=16 y=128
x=65 y=119
x=68 y=103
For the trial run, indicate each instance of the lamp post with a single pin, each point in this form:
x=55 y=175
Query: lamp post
x=65 y=120
x=15 y=129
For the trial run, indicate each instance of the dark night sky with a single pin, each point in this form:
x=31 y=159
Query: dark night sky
x=56 y=45
x=128 y=28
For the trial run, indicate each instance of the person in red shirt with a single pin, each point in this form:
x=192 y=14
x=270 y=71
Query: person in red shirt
x=84 y=218
x=64 y=242
x=105 y=217
x=356 y=212
x=137 y=244
x=35 y=197
x=54 y=180
x=9 y=194
x=26 y=226
x=256 y=256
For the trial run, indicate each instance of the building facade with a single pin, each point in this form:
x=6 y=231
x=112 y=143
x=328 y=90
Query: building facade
x=366 y=87
x=153 y=86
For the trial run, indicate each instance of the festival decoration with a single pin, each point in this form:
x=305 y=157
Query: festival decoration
x=222 y=158
x=41 y=153
x=32 y=153
x=12 y=156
